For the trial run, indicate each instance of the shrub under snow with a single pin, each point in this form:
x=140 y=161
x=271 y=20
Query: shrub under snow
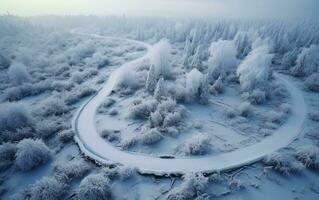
x=142 y=109
x=314 y=116
x=7 y=152
x=168 y=114
x=26 y=90
x=67 y=172
x=283 y=163
x=193 y=186
x=111 y=135
x=289 y=59
x=94 y=187
x=196 y=145
x=309 y=156
x=256 y=96
x=81 y=51
x=151 y=136
x=244 y=109
x=78 y=94
x=14 y=116
x=18 y=73
x=47 y=127
x=66 y=136
x=124 y=172
x=31 y=153
x=312 y=82
x=47 y=188
x=52 y=106
x=17 y=134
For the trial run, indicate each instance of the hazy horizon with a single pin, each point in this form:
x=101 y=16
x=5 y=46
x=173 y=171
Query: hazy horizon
x=197 y=8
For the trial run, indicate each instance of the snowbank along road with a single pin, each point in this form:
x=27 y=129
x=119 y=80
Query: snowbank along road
x=100 y=150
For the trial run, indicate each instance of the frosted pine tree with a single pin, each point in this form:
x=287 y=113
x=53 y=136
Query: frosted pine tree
x=204 y=90
x=159 y=91
x=242 y=43
x=218 y=85
x=196 y=62
x=160 y=57
x=151 y=79
x=187 y=51
x=289 y=59
x=222 y=59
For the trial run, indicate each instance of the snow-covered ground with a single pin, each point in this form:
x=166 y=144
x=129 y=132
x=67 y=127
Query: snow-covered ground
x=87 y=113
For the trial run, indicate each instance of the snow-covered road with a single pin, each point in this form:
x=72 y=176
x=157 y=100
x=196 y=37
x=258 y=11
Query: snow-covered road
x=93 y=146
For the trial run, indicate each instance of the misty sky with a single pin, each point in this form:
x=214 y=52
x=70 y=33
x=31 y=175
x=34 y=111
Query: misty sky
x=231 y=8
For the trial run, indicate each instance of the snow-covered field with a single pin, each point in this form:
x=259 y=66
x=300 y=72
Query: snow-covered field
x=158 y=108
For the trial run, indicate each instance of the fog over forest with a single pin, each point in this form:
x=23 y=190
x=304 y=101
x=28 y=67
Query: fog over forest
x=186 y=8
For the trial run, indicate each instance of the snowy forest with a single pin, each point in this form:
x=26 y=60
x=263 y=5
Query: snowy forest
x=121 y=107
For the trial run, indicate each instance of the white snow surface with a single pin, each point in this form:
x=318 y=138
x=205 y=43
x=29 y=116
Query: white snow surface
x=93 y=146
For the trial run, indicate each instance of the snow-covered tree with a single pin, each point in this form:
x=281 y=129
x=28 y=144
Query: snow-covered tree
x=151 y=80
x=218 y=86
x=203 y=91
x=160 y=58
x=156 y=119
x=197 y=87
x=94 y=187
x=307 y=61
x=31 y=153
x=196 y=38
x=254 y=72
x=222 y=58
x=18 y=73
x=193 y=82
x=289 y=59
x=243 y=44
x=187 y=53
x=196 y=61
x=159 y=91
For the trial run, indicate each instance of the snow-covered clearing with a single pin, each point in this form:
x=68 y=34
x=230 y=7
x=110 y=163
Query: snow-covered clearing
x=98 y=149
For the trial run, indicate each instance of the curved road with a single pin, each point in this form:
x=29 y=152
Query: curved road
x=93 y=146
